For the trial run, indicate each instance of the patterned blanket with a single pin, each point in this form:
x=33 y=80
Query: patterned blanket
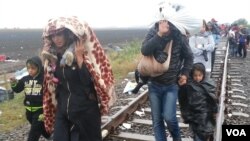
x=94 y=57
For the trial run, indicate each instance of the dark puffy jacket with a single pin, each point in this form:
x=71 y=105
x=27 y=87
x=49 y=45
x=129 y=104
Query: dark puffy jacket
x=198 y=104
x=232 y=41
x=181 y=57
x=215 y=29
x=75 y=91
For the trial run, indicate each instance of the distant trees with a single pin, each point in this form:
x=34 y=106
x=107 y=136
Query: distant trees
x=241 y=21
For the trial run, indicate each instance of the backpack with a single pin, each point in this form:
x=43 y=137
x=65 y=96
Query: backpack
x=242 y=39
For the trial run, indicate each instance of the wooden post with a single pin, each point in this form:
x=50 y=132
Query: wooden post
x=5 y=80
x=6 y=84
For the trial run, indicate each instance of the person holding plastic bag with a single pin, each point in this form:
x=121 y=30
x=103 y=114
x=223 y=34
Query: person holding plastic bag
x=172 y=24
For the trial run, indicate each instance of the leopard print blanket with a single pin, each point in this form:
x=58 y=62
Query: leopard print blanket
x=94 y=57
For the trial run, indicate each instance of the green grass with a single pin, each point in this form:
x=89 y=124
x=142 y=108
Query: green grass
x=13 y=111
x=126 y=60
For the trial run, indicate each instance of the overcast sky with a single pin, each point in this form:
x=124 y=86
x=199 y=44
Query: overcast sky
x=112 y=13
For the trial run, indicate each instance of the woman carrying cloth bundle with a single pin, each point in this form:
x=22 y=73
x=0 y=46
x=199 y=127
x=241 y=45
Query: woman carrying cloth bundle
x=78 y=78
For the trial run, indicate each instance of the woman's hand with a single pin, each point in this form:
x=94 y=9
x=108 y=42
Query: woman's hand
x=79 y=51
x=182 y=80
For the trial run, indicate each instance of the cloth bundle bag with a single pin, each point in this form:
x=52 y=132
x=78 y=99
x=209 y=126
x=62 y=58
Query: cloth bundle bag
x=148 y=66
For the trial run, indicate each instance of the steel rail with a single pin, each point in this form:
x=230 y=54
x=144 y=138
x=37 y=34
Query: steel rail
x=220 y=116
x=123 y=114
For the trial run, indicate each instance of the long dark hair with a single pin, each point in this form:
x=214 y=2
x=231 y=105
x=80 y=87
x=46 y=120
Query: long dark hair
x=69 y=36
x=204 y=23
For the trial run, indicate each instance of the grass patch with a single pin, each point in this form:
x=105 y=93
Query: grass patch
x=126 y=60
x=12 y=113
x=122 y=62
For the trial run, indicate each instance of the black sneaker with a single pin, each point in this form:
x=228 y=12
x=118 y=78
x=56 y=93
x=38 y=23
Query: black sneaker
x=51 y=137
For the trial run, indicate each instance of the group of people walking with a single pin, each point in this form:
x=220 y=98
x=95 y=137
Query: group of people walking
x=187 y=79
x=67 y=95
x=238 y=40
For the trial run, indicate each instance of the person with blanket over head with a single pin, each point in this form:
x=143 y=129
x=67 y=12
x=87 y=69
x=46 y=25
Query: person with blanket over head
x=79 y=83
x=199 y=104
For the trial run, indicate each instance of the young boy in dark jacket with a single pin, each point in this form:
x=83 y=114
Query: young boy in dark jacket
x=33 y=101
x=198 y=104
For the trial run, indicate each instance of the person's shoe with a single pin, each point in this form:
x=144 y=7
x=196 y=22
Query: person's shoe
x=51 y=137
x=177 y=139
x=137 y=88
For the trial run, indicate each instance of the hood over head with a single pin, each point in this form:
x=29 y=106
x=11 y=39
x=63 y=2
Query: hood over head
x=55 y=25
x=37 y=61
x=198 y=66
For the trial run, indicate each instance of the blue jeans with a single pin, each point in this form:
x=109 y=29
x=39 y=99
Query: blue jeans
x=163 y=108
x=216 y=38
x=233 y=50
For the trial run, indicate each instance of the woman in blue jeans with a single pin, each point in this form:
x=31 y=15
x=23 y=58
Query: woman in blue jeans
x=163 y=104
x=163 y=89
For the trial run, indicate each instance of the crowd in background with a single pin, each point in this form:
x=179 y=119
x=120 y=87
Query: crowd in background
x=77 y=84
x=238 y=40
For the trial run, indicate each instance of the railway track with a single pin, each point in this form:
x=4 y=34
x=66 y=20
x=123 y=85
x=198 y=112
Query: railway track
x=133 y=121
x=231 y=77
x=130 y=118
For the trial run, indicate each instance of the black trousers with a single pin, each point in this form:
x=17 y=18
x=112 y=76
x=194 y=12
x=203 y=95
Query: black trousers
x=82 y=125
x=213 y=59
x=37 y=127
x=240 y=48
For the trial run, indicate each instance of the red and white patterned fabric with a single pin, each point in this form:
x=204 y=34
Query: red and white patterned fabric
x=94 y=57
